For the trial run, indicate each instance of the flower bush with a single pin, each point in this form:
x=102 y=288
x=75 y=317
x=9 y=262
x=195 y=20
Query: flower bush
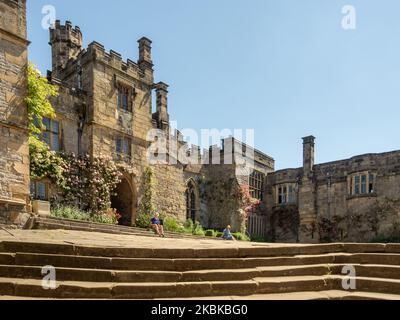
x=90 y=181
x=109 y=216
x=46 y=164
x=247 y=203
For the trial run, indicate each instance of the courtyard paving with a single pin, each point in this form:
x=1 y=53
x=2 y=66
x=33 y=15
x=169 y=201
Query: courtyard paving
x=122 y=241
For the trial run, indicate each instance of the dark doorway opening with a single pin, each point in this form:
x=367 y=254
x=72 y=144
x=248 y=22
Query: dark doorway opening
x=123 y=202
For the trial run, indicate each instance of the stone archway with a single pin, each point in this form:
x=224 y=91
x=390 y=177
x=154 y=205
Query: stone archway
x=125 y=202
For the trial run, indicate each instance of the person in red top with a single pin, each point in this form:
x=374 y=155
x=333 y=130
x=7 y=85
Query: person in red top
x=157 y=225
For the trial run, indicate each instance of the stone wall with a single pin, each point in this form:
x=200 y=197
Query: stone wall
x=169 y=197
x=14 y=152
x=323 y=199
x=217 y=191
x=333 y=198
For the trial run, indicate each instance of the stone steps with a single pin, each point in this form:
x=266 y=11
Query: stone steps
x=102 y=275
x=187 y=264
x=154 y=290
x=320 y=295
x=250 y=271
x=52 y=223
x=184 y=252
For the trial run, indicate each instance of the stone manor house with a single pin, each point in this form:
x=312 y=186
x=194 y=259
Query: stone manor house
x=105 y=107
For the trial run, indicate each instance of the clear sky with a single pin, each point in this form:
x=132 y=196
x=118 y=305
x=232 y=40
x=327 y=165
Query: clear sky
x=285 y=68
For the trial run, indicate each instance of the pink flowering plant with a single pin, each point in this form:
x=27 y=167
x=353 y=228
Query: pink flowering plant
x=90 y=182
x=83 y=182
x=247 y=203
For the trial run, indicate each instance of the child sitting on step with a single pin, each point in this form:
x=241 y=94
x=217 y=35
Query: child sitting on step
x=228 y=235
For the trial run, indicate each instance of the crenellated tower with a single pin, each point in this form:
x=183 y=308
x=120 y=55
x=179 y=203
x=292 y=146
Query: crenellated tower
x=66 y=44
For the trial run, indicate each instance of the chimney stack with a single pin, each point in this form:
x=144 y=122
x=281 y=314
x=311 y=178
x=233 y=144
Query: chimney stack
x=145 y=60
x=162 y=116
x=308 y=154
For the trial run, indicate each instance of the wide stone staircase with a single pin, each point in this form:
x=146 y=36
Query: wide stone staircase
x=253 y=272
x=52 y=223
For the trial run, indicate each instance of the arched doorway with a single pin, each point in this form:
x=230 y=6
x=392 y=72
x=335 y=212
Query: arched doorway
x=124 y=201
x=192 y=201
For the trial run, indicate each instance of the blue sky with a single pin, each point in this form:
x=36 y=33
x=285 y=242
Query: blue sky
x=285 y=68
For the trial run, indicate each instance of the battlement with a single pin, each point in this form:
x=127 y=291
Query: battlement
x=114 y=59
x=66 y=44
x=228 y=150
x=67 y=28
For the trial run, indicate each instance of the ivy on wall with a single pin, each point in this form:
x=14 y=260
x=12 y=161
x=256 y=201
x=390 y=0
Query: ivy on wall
x=360 y=226
x=228 y=195
x=285 y=223
x=43 y=162
x=146 y=207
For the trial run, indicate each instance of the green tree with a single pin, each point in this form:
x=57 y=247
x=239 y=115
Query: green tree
x=39 y=105
x=43 y=162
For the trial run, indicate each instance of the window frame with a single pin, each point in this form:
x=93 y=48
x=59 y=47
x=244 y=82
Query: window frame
x=257 y=184
x=48 y=133
x=285 y=194
x=124 y=92
x=125 y=152
x=35 y=194
x=362 y=183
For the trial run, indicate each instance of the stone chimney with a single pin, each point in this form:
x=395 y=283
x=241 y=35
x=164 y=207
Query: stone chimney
x=161 y=114
x=145 y=60
x=308 y=154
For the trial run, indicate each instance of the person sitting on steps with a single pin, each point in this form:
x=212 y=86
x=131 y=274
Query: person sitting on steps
x=228 y=235
x=158 y=225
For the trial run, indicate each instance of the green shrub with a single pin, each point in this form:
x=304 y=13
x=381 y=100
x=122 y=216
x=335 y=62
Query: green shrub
x=219 y=234
x=71 y=213
x=259 y=239
x=107 y=217
x=210 y=233
x=387 y=239
x=143 y=220
x=187 y=230
x=199 y=232
x=197 y=227
x=189 y=224
x=240 y=236
x=391 y=236
x=172 y=225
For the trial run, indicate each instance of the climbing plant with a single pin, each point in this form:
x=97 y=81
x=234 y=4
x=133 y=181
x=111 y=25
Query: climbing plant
x=90 y=182
x=146 y=206
x=86 y=182
x=43 y=162
x=38 y=103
